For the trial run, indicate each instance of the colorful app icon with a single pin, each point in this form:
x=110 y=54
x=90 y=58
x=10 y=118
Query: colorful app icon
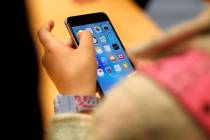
x=103 y=60
x=106 y=27
x=95 y=41
x=108 y=69
x=115 y=46
x=99 y=50
x=112 y=58
x=107 y=48
x=125 y=65
x=89 y=29
x=117 y=68
x=100 y=72
x=120 y=56
x=102 y=39
x=97 y=29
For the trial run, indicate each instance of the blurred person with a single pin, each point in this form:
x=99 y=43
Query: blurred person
x=166 y=99
x=20 y=112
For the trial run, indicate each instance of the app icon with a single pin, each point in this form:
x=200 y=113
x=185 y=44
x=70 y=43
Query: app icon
x=89 y=29
x=106 y=27
x=107 y=48
x=99 y=50
x=100 y=72
x=108 y=69
x=110 y=37
x=117 y=68
x=97 y=29
x=120 y=56
x=112 y=57
x=102 y=39
x=95 y=41
x=115 y=46
x=103 y=60
x=125 y=65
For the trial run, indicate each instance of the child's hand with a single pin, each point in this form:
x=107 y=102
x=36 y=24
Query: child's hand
x=73 y=71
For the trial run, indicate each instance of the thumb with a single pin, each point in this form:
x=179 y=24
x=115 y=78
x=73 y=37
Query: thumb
x=86 y=40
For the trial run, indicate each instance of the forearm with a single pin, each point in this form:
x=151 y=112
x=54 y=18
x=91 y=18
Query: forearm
x=73 y=117
x=72 y=126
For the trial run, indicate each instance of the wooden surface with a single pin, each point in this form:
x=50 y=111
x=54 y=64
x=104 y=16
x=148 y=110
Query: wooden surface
x=132 y=25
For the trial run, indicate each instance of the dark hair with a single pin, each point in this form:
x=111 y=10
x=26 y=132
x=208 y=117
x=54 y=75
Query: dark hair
x=20 y=112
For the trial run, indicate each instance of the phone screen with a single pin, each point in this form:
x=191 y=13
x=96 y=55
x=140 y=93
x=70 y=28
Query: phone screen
x=113 y=62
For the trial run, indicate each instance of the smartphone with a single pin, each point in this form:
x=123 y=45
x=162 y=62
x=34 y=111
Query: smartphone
x=112 y=59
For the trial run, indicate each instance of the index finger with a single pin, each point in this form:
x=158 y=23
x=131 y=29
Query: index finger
x=86 y=40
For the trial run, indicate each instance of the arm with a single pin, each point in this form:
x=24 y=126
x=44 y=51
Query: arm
x=73 y=71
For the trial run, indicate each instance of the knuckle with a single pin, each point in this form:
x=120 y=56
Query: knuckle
x=39 y=32
x=50 y=46
x=44 y=61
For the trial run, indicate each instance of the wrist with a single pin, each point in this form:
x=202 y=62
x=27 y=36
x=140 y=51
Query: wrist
x=78 y=90
x=75 y=104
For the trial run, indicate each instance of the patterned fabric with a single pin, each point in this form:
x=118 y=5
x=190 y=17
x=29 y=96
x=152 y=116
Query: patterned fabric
x=86 y=103
x=75 y=104
x=187 y=76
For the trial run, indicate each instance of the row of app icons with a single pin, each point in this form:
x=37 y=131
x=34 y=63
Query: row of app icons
x=103 y=40
x=98 y=29
x=109 y=70
x=107 y=48
x=111 y=57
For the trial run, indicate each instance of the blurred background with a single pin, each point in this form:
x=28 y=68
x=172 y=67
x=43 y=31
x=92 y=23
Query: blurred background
x=136 y=21
x=167 y=13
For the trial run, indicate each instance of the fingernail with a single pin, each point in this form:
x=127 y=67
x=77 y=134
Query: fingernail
x=79 y=32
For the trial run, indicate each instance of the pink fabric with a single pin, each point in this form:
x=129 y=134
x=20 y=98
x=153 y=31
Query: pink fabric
x=187 y=77
x=86 y=103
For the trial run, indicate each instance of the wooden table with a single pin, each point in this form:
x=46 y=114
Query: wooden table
x=132 y=25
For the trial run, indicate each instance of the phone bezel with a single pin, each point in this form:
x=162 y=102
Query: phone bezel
x=89 y=19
